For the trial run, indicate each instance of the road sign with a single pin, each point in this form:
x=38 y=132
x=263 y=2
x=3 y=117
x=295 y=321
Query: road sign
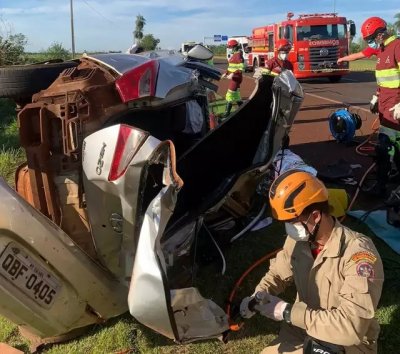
x=217 y=38
x=224 y=38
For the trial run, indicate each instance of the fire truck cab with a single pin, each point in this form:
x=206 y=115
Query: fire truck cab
x=318 y=40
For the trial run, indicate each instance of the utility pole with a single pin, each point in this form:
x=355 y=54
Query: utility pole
x=72 y=29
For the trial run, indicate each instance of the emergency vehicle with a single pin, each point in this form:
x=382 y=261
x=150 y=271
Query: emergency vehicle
x=318 y=40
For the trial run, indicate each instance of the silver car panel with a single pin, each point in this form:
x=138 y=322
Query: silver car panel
x=180 y=314
x=120 y=63
x=49 y=251
x=171 y=78
x=147 y=297
x=109 y=201
x=171 y=73
x=200 y=52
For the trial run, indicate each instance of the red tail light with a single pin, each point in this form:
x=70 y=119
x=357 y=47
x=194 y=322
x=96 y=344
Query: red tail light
x=139 y=82
x=128 y=143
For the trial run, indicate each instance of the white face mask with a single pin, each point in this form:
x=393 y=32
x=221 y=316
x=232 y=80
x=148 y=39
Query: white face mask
x=297 y=231
x=282 y=56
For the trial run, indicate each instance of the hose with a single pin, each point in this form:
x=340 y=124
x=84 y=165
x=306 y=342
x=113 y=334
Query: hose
x=218 y=248
x=251 y=224
x=359 y=147
x=236 y=326
x=357 y=191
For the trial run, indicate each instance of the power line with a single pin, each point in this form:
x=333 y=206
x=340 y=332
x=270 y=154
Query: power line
x=98 y=12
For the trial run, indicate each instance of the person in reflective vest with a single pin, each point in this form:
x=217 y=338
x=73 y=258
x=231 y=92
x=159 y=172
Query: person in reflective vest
x=387 y=72
x=236 y=67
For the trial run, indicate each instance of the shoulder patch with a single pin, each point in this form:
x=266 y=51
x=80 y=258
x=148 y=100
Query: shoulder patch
x=365 y=269
x=364 y=256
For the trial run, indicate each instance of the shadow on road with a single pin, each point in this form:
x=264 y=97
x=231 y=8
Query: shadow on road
x=352 y=78
x=330 y=106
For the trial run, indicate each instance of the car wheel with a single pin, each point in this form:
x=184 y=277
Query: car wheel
x=335 y=78
x=22 y=81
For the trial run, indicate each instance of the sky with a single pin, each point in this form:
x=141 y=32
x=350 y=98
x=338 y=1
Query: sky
x=103 y=25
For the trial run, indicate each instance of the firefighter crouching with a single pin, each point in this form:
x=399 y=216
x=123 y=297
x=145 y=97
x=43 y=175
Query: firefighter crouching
x=337 y=272
x=386 y=102
x=236 y=67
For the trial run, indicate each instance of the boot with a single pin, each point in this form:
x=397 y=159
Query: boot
x=383 y=166
x=228 y=109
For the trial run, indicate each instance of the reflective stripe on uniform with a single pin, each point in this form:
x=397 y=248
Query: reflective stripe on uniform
x=268 y=72
x=389 y=78
x=233 y=96
x=232 y=67
x=389 y=40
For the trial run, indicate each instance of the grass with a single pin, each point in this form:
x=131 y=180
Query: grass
x=125 y=336
x=363 y=65
x=11 y=155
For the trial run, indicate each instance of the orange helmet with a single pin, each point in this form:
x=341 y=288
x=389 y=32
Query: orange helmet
x=232 y=43
x=283 y=45
x=293 y=191
x=371 y=26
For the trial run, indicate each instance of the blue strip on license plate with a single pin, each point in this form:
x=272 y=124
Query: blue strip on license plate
x=29 y=276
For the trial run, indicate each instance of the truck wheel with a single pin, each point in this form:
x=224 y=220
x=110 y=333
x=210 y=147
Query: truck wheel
x=335 y=78
x=22 y=81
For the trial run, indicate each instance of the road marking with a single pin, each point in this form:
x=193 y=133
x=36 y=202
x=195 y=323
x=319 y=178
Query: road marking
x=334 y=101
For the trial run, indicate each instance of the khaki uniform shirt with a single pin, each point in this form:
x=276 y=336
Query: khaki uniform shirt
x=337 y=293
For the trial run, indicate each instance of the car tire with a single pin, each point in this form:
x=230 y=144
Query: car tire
x=22 y=81
x=335 y=78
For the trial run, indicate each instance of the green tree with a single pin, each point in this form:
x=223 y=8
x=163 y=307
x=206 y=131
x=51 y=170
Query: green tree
x=149 y=42
x=397 y=22
x=139 y=25
x=56 y=51
x=391 y=28
x=355 y=47
x=12 y=47
x=362 y=43
x=218 y=49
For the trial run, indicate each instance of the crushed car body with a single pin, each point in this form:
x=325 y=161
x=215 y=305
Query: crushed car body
x=122 y=173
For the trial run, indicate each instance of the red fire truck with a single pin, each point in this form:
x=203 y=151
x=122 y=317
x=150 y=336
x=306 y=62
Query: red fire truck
x=318 y=41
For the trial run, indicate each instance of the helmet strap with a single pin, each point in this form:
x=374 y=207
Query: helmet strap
x=313 y=233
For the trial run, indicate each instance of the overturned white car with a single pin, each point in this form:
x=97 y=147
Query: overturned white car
x=122 y=173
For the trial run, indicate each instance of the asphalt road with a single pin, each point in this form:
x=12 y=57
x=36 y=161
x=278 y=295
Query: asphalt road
x=355 y=89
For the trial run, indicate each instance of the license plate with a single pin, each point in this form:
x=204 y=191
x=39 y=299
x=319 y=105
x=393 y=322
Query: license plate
x=28 y=276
